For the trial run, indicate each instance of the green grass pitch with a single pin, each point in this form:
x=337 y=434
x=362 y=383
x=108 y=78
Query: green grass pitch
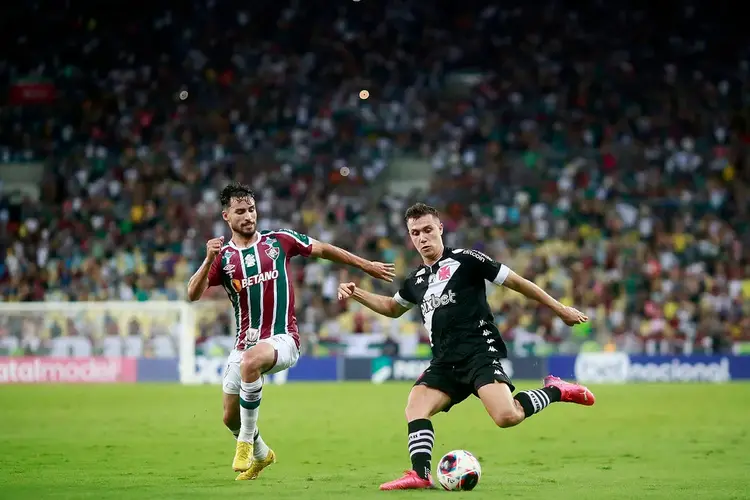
x=341 y=440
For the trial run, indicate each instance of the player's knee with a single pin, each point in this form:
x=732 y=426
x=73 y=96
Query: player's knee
x=417 y=409
x=507 y=418
x=415 y=412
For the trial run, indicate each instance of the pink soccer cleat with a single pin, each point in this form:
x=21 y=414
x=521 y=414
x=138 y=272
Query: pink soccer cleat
x=410 y=481
x=569 y=392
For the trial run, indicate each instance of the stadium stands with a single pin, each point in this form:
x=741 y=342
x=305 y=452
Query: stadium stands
x=605 y=163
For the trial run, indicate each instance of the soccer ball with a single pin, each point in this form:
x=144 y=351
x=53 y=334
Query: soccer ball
x=458 y=470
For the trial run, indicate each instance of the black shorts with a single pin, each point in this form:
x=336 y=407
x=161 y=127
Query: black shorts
x=460 y=380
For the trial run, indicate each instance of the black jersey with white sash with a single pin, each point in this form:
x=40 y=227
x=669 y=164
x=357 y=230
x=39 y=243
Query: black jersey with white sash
x=452 y=296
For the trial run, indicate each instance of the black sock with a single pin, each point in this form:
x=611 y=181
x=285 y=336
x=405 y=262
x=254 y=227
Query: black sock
x=421 y=439
x=538 y=399
x=256 y=435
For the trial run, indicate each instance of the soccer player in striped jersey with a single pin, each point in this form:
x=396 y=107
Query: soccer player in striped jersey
x=253 y=269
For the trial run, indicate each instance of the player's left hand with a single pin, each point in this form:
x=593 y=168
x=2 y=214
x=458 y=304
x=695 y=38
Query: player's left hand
x=572 y=316
x=381 y=271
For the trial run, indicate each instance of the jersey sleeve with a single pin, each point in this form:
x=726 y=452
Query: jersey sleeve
x=294 y=243
x=486 y=267
x=405 y=296
x=214 y=273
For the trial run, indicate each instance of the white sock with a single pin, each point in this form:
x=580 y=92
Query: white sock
x=250 y=393
x=260 y=448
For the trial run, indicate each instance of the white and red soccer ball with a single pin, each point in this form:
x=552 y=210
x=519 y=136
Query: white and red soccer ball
x=458 y=470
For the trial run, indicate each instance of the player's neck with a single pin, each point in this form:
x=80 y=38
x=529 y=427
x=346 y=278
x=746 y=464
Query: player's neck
x=431 y=262
x=244 y=242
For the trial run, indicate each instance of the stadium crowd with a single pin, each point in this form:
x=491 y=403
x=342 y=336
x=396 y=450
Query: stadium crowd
x=602 y=162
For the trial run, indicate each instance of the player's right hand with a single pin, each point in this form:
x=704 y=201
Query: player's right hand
x=346 y=290
x=213 y=247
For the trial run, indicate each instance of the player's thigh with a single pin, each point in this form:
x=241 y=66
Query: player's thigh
x=500 y=405
x=424 y=402
x=286 y=353
x=493 y=386
x=259 y=357
x=232 y=376
x=434 y=391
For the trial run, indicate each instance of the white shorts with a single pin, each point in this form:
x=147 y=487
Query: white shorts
x=287 y=355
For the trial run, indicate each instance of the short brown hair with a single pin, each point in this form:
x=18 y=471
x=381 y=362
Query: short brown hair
x=420 y=210
x=235 y=190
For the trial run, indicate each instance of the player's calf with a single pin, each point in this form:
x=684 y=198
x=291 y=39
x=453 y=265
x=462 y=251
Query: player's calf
x=423 y=403
x=500 y=405
x=255 y=360
x=231 y=415
x=507 y=410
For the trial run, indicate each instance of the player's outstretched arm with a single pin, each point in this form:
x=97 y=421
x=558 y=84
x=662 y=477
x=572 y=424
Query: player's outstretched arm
x=387 y=306
x=379 y=270
x=201 y=280
x=569 y=315
x=501 y=275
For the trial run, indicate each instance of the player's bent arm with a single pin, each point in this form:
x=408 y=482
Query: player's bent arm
x=381 y=304
x=531 y=290
x=199 y=281
x=339 y=255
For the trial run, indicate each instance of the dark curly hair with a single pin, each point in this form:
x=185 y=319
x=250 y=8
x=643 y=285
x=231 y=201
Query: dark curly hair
x=235 y=190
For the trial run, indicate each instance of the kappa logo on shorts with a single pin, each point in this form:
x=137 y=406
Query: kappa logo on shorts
x=491 y=349
x=490 y=341
x=498 y=372
x=486 y=333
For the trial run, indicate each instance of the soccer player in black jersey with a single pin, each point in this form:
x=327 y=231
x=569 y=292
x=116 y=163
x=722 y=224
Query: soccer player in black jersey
x=450 y=289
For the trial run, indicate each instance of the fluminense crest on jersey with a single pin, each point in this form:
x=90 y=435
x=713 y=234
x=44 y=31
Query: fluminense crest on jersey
x=272 y=251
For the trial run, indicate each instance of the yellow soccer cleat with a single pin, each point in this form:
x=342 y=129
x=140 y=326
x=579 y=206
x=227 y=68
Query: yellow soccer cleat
x=258 y=465
x=242 y=456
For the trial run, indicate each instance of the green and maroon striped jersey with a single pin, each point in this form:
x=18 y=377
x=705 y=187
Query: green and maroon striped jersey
x=257 y=282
